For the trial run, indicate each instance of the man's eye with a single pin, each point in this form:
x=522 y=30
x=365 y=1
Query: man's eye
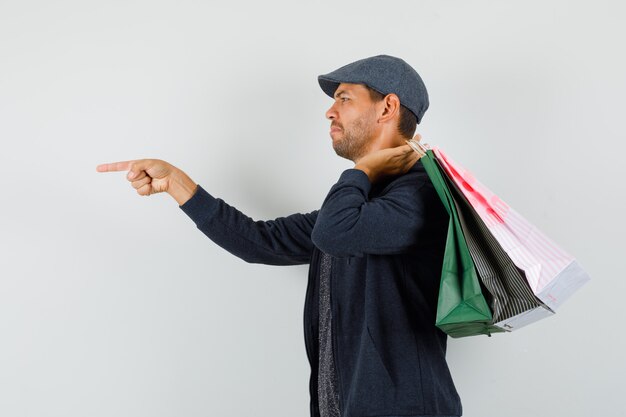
x=344 y=98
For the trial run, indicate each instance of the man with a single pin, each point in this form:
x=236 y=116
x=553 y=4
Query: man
x=375 y=249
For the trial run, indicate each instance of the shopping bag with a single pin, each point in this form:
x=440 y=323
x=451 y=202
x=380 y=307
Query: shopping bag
x=552 y=274
x=462 y=309
x=511 y=300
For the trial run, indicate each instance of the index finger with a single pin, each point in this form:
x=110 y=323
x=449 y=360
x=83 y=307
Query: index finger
x=114 y=166
x=414 y=145
x=408 y=148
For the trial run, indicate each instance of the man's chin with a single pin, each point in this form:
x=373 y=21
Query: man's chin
x=342 y=154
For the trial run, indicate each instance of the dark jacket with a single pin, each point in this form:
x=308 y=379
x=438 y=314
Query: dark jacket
x=386 y=242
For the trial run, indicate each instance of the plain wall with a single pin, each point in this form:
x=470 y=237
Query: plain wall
x=114 y=304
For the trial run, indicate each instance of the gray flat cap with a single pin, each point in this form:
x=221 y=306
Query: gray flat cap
x=385 y=74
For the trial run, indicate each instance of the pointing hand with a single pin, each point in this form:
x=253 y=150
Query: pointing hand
x=151 y=176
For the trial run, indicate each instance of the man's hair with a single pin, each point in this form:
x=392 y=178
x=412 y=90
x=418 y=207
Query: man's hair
x=408 y=121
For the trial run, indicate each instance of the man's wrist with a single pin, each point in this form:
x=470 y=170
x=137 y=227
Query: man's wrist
x=181 y=187
x=368 y=171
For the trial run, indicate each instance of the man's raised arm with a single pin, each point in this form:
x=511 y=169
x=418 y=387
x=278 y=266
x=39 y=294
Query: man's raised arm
x=282 y=241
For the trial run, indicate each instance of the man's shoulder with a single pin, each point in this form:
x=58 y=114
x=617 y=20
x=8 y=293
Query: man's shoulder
x=415 y=177
x=413 y=188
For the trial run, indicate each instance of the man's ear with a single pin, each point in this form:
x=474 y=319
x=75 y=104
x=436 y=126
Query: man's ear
x=391 y=107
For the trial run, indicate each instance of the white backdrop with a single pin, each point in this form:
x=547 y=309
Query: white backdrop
x=113 y=304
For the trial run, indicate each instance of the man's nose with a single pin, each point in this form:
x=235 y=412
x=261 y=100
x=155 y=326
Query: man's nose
x=331 y=113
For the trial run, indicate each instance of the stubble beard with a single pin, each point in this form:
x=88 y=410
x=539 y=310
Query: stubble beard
x=356 y=138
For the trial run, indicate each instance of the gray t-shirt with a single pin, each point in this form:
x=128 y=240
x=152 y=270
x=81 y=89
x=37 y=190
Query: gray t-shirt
x=327 y=379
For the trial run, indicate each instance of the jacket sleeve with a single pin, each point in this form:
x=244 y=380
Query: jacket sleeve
x=350 y=224
x=282 y=241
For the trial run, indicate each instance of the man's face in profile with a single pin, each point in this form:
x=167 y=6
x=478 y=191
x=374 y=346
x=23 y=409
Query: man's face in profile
x=353 y=121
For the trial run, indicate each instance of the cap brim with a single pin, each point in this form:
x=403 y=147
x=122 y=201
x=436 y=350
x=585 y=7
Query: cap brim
x=328 y=85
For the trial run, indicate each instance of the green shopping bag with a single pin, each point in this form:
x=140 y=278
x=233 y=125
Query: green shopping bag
x=462 y=310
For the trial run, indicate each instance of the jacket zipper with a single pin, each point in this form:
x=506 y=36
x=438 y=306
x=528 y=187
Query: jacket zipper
x=307 y=323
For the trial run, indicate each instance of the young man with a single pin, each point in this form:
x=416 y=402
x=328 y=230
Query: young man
x=375 y=249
